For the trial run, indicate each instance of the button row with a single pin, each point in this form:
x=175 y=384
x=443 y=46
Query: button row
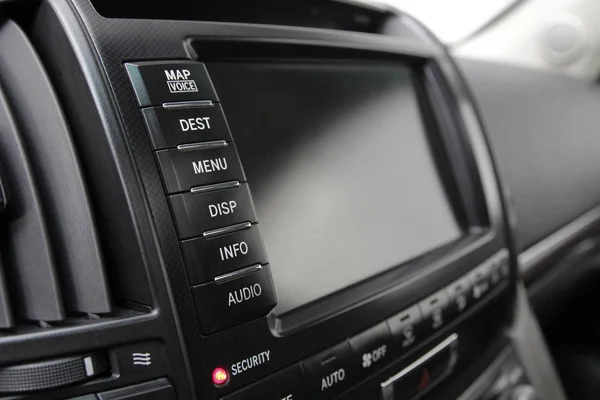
x=305 y=380
x=334 y=370
x=210 y=201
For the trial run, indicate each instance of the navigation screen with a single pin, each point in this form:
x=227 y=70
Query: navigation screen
x=340 y=169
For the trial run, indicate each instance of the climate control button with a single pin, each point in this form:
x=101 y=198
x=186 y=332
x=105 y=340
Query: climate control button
x=330 y=372
x=371 y=349
x=435 y=311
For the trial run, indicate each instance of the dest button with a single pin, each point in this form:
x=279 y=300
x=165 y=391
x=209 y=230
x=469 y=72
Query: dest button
x=222 y=304
x=169 y=127
x=285 y=385
x=158 y=82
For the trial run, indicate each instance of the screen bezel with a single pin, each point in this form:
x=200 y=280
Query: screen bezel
x=450 y=148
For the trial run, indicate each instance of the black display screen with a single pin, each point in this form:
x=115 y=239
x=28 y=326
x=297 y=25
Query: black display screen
x=340 y=168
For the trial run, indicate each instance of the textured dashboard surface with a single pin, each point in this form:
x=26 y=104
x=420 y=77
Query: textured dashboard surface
x=543 y=131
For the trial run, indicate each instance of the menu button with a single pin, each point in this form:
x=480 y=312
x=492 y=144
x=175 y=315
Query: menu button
x=193 y=165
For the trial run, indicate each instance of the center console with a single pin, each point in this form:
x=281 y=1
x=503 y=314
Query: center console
x=318 y=208
x=327 y=210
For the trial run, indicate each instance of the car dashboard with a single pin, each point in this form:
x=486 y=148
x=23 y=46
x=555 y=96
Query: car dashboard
x=204 y=201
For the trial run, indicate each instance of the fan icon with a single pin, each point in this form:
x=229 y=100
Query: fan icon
x=367 y=360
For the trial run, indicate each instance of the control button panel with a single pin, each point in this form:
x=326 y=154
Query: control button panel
x=234 y=299
x=335 y=370
x=371 y=349
x=424 y=373
x=158 y=82
x=285 y=385
x=199 y=164
x=435 y=311
x=407 y=328
x=171 y=126
x=207 y=258
x=330 y=372
x=207 y=191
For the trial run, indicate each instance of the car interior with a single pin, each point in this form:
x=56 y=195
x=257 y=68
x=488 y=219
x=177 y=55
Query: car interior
x=287 y=200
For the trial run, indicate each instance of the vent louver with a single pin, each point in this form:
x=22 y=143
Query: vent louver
x=49 y=245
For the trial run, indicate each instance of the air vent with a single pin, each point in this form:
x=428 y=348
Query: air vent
x=345 y=15
x=49 y=247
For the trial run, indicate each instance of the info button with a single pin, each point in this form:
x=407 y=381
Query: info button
x=206 y=258
x=228 y=302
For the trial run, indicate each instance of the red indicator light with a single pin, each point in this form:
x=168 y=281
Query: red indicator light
x=220 y=376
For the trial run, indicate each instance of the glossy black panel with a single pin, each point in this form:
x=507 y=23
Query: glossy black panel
x=342 y=175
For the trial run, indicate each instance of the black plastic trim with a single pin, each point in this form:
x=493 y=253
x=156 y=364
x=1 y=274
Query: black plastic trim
x=62 y=191
x=30 y=263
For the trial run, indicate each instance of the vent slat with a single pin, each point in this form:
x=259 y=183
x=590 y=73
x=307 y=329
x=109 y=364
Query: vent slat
x=57 y=173
x=29 y=263
x=6 y=319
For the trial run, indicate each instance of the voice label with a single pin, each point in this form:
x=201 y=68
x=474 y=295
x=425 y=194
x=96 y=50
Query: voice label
x=178 y=81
